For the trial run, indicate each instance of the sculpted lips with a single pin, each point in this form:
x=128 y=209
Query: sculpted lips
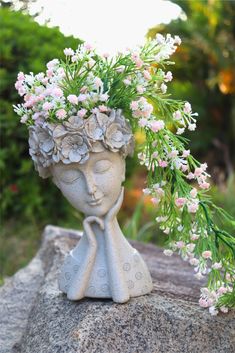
x=95 y=202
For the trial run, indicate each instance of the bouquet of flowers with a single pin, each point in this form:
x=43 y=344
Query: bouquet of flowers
x=90 y=97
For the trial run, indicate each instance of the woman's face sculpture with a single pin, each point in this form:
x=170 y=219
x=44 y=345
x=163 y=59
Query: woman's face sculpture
x=92 y=187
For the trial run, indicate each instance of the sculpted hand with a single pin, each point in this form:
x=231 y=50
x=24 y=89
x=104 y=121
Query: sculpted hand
x=93 y=219
x=115 y=209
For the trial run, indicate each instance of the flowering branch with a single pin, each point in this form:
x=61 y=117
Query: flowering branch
x=88 y=84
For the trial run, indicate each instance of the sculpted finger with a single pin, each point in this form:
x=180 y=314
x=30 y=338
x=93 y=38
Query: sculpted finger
x=94 y=219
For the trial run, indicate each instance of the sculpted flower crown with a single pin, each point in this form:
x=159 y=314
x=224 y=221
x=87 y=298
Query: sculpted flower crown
x=72 y=140
x=90 y=102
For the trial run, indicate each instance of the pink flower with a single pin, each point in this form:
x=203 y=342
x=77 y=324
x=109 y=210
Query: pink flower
x=134 y=105
x=155 y=154
x=88 y=46
x=154 y=200
x=47 y=106
x=157 y=125
x=193 y=207
x=168 y=77
x=190 y=176
x=140 y=89
x=187 y=108
x=61 y=114
x=139 y=63
x=105 y=55
x=184 y=167
x=194 y=261
x=72 y=99
x=180 y=201
x=23 y=119
x=103 y=108
x=180 y=244
x=18 y=85
x=177 y=115
x=51 y=64
x=83 y=89
x=194 y=236
x=162 y=164
x=193 y=192
x=204 y=185
x=81 y=113
x=91 y=63
x=204 y=166
x=120 y=69
x=74 y=58
x=49 y=73
x=45 y=80
x=147 y=75
x=104 y=97
x=173 y=154
x=127 y=82
x=57 y=92
x=224 y=309
x=217 y=265
x=20 y=76
x=82 y=97
x=98 y=82
x=203 y=303
x=143 y=122
x=206 y=254
x=186 y=153
x=222 y=290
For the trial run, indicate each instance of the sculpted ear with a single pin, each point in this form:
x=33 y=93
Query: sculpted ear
x=55 y=181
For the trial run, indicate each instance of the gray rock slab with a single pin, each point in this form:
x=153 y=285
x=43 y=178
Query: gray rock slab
x=35 y=317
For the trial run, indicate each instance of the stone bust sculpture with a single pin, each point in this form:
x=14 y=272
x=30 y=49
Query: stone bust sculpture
x=86 y=159
x=103 y=264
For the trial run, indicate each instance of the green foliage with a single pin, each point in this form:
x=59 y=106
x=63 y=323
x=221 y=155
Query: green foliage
x=204 y=74
x=25 y=46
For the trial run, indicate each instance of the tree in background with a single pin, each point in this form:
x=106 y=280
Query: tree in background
x=25 y=46
x=205 y=75
x=19 y=5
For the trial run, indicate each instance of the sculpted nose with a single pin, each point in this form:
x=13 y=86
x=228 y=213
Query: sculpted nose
x=91 y=187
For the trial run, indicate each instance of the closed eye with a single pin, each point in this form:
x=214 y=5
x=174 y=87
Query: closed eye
x=69 y=176
x=102 y=166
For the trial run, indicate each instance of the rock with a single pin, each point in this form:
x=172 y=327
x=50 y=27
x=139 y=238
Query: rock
x=37 y=318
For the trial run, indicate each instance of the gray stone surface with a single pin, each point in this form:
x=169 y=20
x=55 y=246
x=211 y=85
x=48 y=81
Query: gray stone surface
x=35 y=317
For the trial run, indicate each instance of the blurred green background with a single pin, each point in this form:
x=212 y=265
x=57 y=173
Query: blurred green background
x=204 y=74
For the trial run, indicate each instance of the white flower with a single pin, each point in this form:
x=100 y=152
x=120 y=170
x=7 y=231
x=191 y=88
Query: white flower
x=159 y=38
x=194 y=262
x=147 y=191
x=192 y=127
x=217 y=265
x=213 y=311
x=168 y=252
x=180 y=131
x=24 y=118
x=163 y=88
x=68 y=52
x=199 y=276
x=127 y=82
x=224 y=309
